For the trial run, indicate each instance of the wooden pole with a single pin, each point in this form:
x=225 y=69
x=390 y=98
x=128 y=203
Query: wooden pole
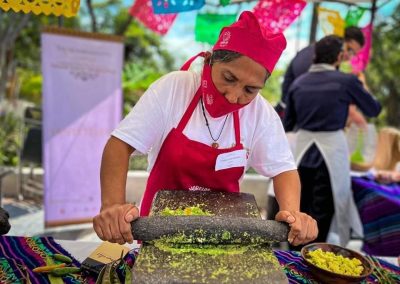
x=60 y=21
x=373 y=12
x=314 y=23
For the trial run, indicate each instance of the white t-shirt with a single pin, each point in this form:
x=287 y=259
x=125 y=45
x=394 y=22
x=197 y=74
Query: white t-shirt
x=162 y=106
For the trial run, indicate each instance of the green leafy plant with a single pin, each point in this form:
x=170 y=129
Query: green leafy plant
x=382 y=71
x=109 y=275
x=31 y=86
x=10 y=141
x=272 y=89
x=136 y=78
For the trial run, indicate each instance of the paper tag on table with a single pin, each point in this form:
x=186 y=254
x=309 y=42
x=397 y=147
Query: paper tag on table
x=108 y=252
x=231 y=160
x=103 y=255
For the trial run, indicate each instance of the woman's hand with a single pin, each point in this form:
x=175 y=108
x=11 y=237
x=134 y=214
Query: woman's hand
x=387 y=176
x=303 y=228
x=113 y=224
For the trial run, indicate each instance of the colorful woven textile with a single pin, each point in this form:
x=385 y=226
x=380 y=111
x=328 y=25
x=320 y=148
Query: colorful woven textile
x=360 y=61
x=208 y=26
x=277 y=15
x=379 y=208
x=66 y=8
x=176 y=6
x=19 y=255
x=143 y=11
x=297 y=270
x=23 y=254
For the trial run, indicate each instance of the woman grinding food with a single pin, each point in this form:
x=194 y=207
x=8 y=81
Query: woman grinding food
x=202 y=131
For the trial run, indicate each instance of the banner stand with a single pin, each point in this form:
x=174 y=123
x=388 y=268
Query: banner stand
x=82 y=104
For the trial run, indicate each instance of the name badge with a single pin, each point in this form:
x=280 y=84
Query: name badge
x=231 y=160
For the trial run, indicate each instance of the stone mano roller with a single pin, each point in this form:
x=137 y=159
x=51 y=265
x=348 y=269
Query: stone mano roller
x=209 y=229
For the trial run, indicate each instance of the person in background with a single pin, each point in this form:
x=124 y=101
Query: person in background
x=353 y=42
x=190 y=123
x=386 y=163
x=300 y=64
x=318 y=104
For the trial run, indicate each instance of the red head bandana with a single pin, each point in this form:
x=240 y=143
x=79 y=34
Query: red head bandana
x=247 y=37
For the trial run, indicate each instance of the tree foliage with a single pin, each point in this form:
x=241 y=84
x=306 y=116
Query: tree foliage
x=27 y=55
x=383 y=70
x=11 y=25
x=20 y=73
x=10 y=140
x=143 y=47
x=272 y=89
x=135 y=81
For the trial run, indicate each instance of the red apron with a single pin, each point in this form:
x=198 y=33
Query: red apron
x=185 y=164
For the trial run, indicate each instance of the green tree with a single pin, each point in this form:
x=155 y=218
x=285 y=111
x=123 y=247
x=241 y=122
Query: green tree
x=145 y=57
x=11 y=24
x=272 y=89
x=27 y=46
x=383 y=70
x=10 y=142
x=27 y=54
x=143 y=47
x=136 y=78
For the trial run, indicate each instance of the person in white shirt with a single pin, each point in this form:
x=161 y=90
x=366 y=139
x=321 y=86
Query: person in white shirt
x=202 y=131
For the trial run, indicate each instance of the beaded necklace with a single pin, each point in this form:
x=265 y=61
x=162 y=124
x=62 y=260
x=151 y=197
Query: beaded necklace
x=215 y=143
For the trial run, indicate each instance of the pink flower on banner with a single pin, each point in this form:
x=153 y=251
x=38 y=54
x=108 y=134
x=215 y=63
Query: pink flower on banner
x=143 y=11
x=277 y=15
x=360 y=61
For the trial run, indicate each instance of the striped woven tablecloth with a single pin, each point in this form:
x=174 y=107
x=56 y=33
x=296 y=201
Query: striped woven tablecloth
x=379 y=208
x=19 y=255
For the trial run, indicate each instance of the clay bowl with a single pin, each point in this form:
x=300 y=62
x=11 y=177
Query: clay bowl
x=326 y=276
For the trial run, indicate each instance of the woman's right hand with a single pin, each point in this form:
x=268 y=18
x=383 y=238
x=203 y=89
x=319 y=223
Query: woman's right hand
x=113 y=223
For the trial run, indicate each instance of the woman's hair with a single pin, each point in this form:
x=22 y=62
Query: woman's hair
x=327 y=49
x=387 y=153
x=222 y=55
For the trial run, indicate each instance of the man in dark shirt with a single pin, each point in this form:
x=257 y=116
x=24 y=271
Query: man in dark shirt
x=319 y=99
x=354 y=41
x=318 y=104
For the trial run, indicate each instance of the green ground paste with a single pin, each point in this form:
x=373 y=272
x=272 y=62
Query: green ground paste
x=187 y=211
x=199 y=258
x=209 y=263
x=225 y=237
x=211 y=249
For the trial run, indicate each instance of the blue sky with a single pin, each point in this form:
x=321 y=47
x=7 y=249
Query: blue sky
x=180 y=38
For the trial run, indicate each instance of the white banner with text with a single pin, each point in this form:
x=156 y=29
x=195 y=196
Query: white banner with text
x=82 y=104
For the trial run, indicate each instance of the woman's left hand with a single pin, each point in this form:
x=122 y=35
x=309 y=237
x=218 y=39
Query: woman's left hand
x=303 y=228
x=387 y=176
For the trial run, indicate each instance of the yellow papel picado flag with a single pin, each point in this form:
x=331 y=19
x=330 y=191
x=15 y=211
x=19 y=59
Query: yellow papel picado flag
x=331 y=22
x=68 y=8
